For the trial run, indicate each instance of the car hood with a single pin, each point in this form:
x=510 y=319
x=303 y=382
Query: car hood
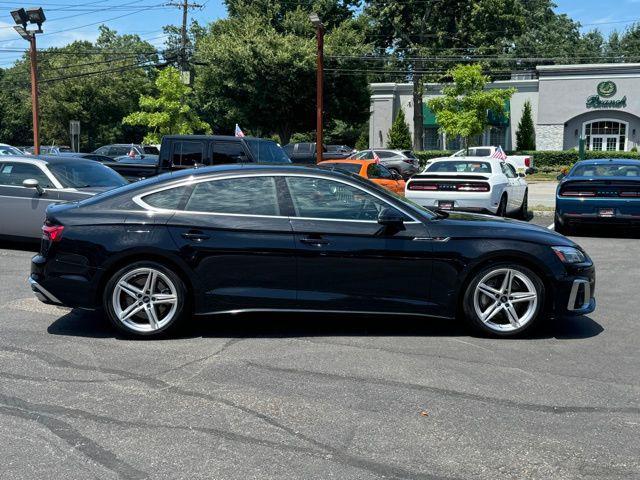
x=471 y=225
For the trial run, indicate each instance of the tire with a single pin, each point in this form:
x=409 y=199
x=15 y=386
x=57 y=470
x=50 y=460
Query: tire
x=488 y=302
x=523 y=213
x=145 y=299
x=560 y=228
x=502 y=207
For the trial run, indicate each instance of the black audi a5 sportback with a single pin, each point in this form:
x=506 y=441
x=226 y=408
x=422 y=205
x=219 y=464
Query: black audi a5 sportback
x=250 y=237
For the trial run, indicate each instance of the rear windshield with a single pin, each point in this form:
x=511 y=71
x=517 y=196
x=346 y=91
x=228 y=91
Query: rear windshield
x=462 y=166
x=81 y=174
x=408 y=154
x=267 y=151
x=607 y=170
x=345 y=167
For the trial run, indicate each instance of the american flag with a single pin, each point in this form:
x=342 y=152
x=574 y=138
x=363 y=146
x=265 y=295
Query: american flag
x=499 y=153
x=239 y=132
x=376 y=158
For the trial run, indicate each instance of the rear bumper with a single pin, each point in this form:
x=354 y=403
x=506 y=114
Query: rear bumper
x=588 y=211
x=42 y=293
x=479 y=203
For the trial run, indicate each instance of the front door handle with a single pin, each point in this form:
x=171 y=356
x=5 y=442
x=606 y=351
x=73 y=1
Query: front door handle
x=315 y=241
x=195 y=235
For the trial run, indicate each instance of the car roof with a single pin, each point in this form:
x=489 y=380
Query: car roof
x=360 y=161
x=53 y=159
x=601 y=161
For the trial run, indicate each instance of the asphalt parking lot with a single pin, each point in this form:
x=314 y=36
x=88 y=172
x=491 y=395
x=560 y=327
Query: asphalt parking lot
x=318 y=396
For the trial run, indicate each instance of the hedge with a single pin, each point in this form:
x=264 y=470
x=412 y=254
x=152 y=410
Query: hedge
x=547 y=158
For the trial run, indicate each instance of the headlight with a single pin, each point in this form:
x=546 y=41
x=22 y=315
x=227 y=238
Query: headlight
x=569 y=254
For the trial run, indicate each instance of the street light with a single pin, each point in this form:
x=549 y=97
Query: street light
x=34 y=16
x=315 y=20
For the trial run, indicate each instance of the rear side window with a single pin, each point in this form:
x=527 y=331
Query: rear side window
x=243 y=195
x=170 y=199
x=376 y=170
x=481 y=152
x=344 y=166
x=267 y=151
x=227 y=152
x=187 y=153
x=305 y=148
x=117 y=151
x=386 y=154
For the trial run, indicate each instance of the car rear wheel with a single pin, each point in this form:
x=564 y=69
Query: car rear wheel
x=145 y=299
x=504 y=300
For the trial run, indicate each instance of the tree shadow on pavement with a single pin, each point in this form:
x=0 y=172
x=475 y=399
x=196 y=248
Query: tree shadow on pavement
x=82 y=323
x=609 y=231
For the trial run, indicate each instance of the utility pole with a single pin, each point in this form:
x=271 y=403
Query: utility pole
x=22 y=17
x=185 y=6
x=315 y=19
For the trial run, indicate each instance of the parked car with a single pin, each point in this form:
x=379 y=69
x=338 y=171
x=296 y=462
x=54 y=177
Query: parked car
x=9 y=150
x=522 y=163
x=120 y=149
x=306 y=153
x=256 y=237
x=485 y=185
x=599 y=192
x=48 y=149
x=179 y=152
x=28 y=185
x=88 y=156
x=371 y=170
x=403 y=162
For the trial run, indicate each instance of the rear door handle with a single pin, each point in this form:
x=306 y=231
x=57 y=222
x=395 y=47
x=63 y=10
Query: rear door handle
x=195 y=235
x=315 y=241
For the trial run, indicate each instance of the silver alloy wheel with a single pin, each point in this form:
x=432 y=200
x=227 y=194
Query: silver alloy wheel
x=145 y=300
x=505 y=299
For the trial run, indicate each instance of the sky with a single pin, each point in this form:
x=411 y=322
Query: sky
x=69 y=20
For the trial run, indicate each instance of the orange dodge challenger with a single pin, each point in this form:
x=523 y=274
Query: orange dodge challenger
x=370 y=169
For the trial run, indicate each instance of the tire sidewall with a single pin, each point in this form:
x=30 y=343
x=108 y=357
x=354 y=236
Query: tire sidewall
x=469 y=311
x=181 y=307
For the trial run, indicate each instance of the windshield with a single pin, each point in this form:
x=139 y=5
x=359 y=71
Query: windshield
x=81 y=174
x=607 y=170
x=151 y=150
x=267 y=151
x=345 y=167
x=8 y=150
x=462 y=166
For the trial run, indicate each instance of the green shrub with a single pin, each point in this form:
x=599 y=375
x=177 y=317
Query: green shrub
x=425 y=155
x=569 y=157
x=399 y=136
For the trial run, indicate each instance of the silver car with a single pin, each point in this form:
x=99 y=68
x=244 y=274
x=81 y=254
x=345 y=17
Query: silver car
x=28 y=185
x=403 y=162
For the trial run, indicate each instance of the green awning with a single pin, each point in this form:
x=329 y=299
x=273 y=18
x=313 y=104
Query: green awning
x=428 y=118
x=501 y=120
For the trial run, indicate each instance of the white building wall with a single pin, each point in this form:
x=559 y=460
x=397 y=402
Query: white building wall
x=549 y=137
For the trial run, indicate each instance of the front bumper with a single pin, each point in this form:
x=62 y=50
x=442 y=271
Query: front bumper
x=575 y=292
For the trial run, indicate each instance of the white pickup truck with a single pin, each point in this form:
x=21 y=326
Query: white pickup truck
x=522 y=163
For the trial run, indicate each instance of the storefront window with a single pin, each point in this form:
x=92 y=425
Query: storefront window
x=497 y=136
x=605 y=135
x=431 y=139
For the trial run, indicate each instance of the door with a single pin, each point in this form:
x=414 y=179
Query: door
x=515 y=190
x=609 y=143
x=233 y=233
x=346 y=260
x=22 y=210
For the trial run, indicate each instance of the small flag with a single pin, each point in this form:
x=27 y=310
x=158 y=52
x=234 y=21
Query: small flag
x=239 y=132
x=499 y=154
x=376 y=158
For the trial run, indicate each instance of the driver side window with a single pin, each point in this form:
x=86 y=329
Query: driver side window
x=331 y=200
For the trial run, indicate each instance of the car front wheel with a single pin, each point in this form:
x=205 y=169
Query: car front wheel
x=504 y=300
x=145 y=299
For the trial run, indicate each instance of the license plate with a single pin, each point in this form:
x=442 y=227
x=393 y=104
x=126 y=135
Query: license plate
x=606 y=212
x=445 y=205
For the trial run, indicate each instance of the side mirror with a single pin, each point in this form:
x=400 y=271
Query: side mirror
x=33 y=183
x=391 y=218
x=395 y=175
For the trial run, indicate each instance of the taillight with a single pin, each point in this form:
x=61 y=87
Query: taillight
x=473 y=187
x=422 y=186
x=527 y=162
x=629 y=194
x=52 y=232
x=577 y=194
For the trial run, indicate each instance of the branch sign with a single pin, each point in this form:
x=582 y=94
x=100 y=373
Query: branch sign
x=606 y=90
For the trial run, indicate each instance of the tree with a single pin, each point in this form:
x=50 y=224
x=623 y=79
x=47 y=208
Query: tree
x=399 y=134
x=462 y=109
x=526 y=134
x=96 y=83
x=260 y=72
x=169 y=112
